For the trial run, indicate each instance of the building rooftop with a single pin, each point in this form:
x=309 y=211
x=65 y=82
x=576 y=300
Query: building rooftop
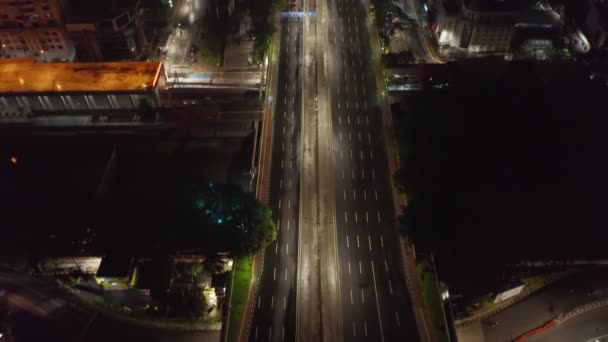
x=97 y=10
x=115 y=266
x=23 y=76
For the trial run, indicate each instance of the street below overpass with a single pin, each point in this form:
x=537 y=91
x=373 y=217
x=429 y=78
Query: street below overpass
x=37 y=310
x=537 y=309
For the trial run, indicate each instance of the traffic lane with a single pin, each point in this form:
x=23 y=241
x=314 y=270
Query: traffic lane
x=584 y=327
x=282 y=168
x=546 y=304
x=358 y=301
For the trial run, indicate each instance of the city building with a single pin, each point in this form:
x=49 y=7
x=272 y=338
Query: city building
x=34 y=29
x=595 y=24
x=478 y=28
x=106 y=30
x=117 y=273
x=77 y=88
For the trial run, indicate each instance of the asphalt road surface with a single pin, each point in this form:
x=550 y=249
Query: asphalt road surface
x=590 y=326
x=541 y=307
x=274 y=313
x=375 y=302
x=37 y=310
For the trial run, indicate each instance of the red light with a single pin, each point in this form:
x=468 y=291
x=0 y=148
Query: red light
x=13 y=160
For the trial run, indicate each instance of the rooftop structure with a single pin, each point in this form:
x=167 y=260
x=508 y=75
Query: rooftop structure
x=24 y=76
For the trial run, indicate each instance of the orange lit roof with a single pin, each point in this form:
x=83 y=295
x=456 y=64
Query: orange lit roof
x=19 y=76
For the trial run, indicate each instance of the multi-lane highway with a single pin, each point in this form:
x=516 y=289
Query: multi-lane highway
x=375 y=301
x=274 y=312
x=330 y=191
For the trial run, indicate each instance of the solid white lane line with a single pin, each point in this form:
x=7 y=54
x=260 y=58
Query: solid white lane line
x=381 y=241
x=385 y=265
x=390 y=286
x=369 y=241
x=397 y=317
x=377 y=302
x=272 y=302
x=274 y=274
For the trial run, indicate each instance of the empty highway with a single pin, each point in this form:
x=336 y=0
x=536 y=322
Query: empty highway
x=374 y=298
x=274 y=312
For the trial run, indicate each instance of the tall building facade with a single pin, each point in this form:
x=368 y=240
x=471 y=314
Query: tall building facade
x=69 y=30
x=106 y=30
x=470 y=27
x=34 y=28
